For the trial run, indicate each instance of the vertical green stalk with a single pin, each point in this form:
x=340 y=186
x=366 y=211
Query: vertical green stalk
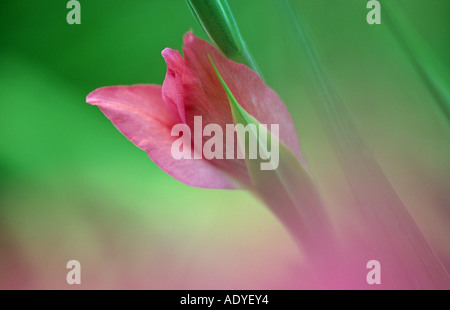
x=218 y=22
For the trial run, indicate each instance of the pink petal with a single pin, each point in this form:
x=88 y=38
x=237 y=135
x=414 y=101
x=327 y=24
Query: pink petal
x=140 y=113
x=172 y=87
x=193 y=87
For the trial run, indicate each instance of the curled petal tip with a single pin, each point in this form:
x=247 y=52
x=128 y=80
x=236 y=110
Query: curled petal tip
x=167 y=52
x=173 y=59
x=189 y=37
x=92 y=98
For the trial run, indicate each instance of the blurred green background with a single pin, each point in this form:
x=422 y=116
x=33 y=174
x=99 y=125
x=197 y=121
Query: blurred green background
x=72 y=187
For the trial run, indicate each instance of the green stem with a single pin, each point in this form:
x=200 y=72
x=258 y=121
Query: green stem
x=288 y=190
x=217 y=21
